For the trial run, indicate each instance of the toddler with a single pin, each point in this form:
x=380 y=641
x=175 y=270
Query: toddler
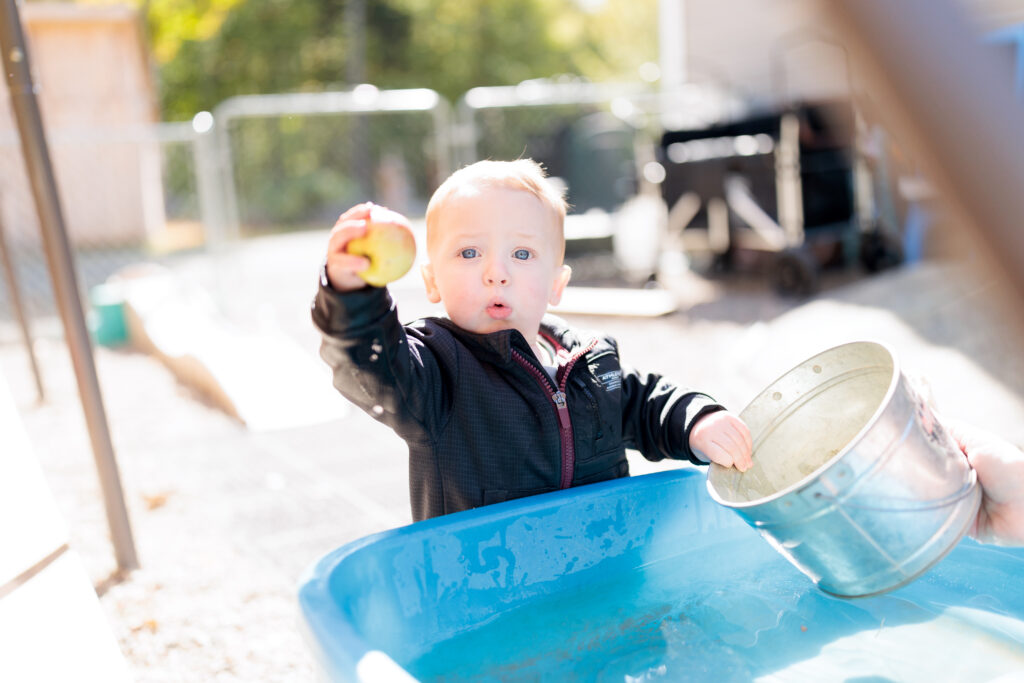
x=499 y=399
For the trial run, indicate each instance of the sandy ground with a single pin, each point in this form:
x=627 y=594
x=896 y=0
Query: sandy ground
x=227 y=518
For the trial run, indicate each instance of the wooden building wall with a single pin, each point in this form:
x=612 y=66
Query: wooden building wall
x=98 y=102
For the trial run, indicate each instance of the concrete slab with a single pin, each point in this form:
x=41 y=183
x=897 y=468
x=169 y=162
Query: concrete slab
x=246 y=511
x=642 y=303
x=947 y=332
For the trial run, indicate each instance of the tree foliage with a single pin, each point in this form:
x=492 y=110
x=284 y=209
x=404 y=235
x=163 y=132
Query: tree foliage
x=292 y=172
x=209 y=50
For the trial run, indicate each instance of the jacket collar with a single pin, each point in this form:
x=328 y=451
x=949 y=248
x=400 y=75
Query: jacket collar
x=497 y=346
x=558 y=332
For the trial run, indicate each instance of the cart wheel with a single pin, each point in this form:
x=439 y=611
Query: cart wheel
x=722 y=263
x=795 y=273
x=879 y=251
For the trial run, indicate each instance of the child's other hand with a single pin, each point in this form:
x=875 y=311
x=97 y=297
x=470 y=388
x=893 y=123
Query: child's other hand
x=722 y=437
x=342 y=267
x=1000 y=468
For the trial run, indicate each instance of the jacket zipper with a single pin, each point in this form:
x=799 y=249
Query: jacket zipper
x=561 y=407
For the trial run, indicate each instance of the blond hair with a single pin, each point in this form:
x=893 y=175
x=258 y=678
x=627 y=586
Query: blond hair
x=522 y=174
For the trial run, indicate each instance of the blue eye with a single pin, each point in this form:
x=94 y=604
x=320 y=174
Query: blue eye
x=469 y=253
x=521 y=254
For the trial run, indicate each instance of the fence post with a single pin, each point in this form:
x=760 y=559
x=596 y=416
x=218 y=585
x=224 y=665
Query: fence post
x=224 y=174
x=62 y=273
x=209 y=190
x=465 y=133
x=443 y=128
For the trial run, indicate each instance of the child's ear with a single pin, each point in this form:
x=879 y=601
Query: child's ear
x=433 y=294
x=561 y=280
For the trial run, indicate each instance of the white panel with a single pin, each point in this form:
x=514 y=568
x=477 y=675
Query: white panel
x=53 y=629
x=30 y=525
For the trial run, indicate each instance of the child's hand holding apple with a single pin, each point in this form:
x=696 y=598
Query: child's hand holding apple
x=369 y=245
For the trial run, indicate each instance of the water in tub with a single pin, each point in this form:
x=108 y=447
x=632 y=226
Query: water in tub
x=726 y=613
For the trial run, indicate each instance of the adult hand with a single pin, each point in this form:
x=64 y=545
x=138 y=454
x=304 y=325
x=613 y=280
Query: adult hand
x=1000 y=468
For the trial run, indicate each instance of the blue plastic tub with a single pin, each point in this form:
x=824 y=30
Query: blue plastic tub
x=642 y=578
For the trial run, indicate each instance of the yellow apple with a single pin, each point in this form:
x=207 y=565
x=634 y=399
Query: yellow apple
x=389 y=245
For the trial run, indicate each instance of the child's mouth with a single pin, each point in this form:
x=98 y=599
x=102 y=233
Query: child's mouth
x=499 y=311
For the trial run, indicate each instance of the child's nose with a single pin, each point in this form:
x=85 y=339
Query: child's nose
x=495 y=274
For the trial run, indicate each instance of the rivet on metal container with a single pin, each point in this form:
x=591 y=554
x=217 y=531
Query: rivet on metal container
x=854 y=480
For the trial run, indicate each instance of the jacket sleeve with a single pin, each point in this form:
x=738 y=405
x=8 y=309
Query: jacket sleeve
x=377 y=363
x=657 y=415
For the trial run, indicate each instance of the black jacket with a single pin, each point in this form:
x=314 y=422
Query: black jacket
x=484 y=422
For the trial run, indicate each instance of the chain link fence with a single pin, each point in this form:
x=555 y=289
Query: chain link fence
x=267 y=164
x=571 y=128
x=127 y=194
x=294 y=162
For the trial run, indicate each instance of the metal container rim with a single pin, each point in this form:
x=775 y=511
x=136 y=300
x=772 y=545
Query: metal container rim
x=808 y=480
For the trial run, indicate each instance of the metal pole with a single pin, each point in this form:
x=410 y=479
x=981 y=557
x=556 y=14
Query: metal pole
x=443 y=124
x=19 y=313
x=62 y=274
x=224 y=168
x=952 y=99
x=355 y=36
x=355 y=74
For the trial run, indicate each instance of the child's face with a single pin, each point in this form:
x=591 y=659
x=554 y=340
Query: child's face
x=496 y=261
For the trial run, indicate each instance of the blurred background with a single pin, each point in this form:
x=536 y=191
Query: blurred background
x=745 y=192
